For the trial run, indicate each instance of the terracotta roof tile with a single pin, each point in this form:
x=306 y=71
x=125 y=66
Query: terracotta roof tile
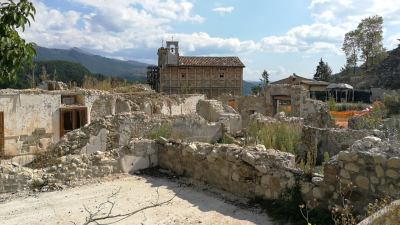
x=210 y=61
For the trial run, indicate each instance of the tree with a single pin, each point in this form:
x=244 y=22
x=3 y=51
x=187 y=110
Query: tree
x=351 y=48
x=371 y=40
x=264 y=78
x=43 y=74
x=323 y=71
x=365 y=42
x=14 y=51
x=255 y=90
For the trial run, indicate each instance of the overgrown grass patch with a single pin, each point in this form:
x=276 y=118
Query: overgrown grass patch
x=281 y=136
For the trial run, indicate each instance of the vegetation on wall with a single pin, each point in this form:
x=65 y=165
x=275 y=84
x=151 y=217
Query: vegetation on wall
x=280 y=136
x=392 y=103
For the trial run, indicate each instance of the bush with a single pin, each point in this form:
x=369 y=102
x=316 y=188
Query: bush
x=373 y=120
x=341 y=107
x=164 y=130
x=392 y=104
x=280 y=136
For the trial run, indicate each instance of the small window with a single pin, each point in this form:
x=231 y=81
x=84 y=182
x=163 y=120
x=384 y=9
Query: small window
x=183 y=75
x=68 y=99
x=221 y=75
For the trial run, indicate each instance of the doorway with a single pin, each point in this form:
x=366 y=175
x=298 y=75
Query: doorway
x=72 y=118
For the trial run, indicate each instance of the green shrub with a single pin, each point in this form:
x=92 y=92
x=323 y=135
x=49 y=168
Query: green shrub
x=280 y=136
x=164 y=130
x=342 y=107
x=331 y=104
x=392 y=104
x=373 y=120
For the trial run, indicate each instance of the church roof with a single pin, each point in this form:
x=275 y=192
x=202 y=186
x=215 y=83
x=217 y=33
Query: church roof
x=210 y=61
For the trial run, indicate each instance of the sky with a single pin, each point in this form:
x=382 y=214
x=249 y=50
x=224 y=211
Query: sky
x=280 y=36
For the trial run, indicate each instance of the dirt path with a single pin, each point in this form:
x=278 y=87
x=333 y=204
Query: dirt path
x=188 y=207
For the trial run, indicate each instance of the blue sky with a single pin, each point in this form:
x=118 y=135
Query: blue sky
x=283 y=37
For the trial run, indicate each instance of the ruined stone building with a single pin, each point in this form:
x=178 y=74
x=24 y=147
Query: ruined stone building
x=30 y=120
x=211 y=76
x=317 y=89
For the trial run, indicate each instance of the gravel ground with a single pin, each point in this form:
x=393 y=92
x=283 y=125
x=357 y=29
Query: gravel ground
x=190 y=206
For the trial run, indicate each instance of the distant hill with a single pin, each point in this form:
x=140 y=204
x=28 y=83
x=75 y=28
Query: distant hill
x=64 y=71
x=385 y=75
x=130 y=70
x=247 y=85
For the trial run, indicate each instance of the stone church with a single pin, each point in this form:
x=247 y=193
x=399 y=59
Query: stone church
x=211 y=76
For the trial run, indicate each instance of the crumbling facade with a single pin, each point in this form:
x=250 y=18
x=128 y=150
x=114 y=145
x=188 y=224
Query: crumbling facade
x=211 y=76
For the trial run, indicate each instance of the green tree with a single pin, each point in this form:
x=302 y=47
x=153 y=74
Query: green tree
x=323 y=71
x=371 y=39
x=255 y=90
x=14 y=51
x=264 y=78
x=351 y=48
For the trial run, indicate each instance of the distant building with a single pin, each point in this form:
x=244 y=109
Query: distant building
x=212 y=76
x=317 y=89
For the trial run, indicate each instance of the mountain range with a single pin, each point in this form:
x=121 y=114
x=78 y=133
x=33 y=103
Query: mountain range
x=96 y=64
x=129 y=70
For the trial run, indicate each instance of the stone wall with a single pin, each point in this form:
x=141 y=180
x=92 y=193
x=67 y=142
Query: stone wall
x=296 y=93
x=30 y=121
x=112 y=132
x=215 y=111
x=316 y=114
x=245 y=106
x=329 y=140
x=371 y=166
x=249 y=172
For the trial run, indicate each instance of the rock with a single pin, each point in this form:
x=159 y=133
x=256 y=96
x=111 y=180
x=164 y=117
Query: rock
x=352 y=167
x=317 y=180
x=379 y=171
x=362 y=182
x=162 y=140
x=317 y=193
x=262 y=168
x=249 y=158
x=344 y=174
x=394 y=162
x=392 y=174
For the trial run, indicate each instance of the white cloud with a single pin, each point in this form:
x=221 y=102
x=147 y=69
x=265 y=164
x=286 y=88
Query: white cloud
x=306 y=38
x=118 y=25
x=223 y=10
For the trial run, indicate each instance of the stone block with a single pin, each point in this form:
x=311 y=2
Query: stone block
x=394 y=162
x=129 y=163
x=316 y=192
x=379 y=171
x=374 y=180
x=392 y=174
x=362 y=182
x=265 y=180
x=344 y=174
x=352 y=167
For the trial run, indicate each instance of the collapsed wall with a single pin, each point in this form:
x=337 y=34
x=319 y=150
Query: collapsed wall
x=321 y=141
x=369 y=170
x=215 y=111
